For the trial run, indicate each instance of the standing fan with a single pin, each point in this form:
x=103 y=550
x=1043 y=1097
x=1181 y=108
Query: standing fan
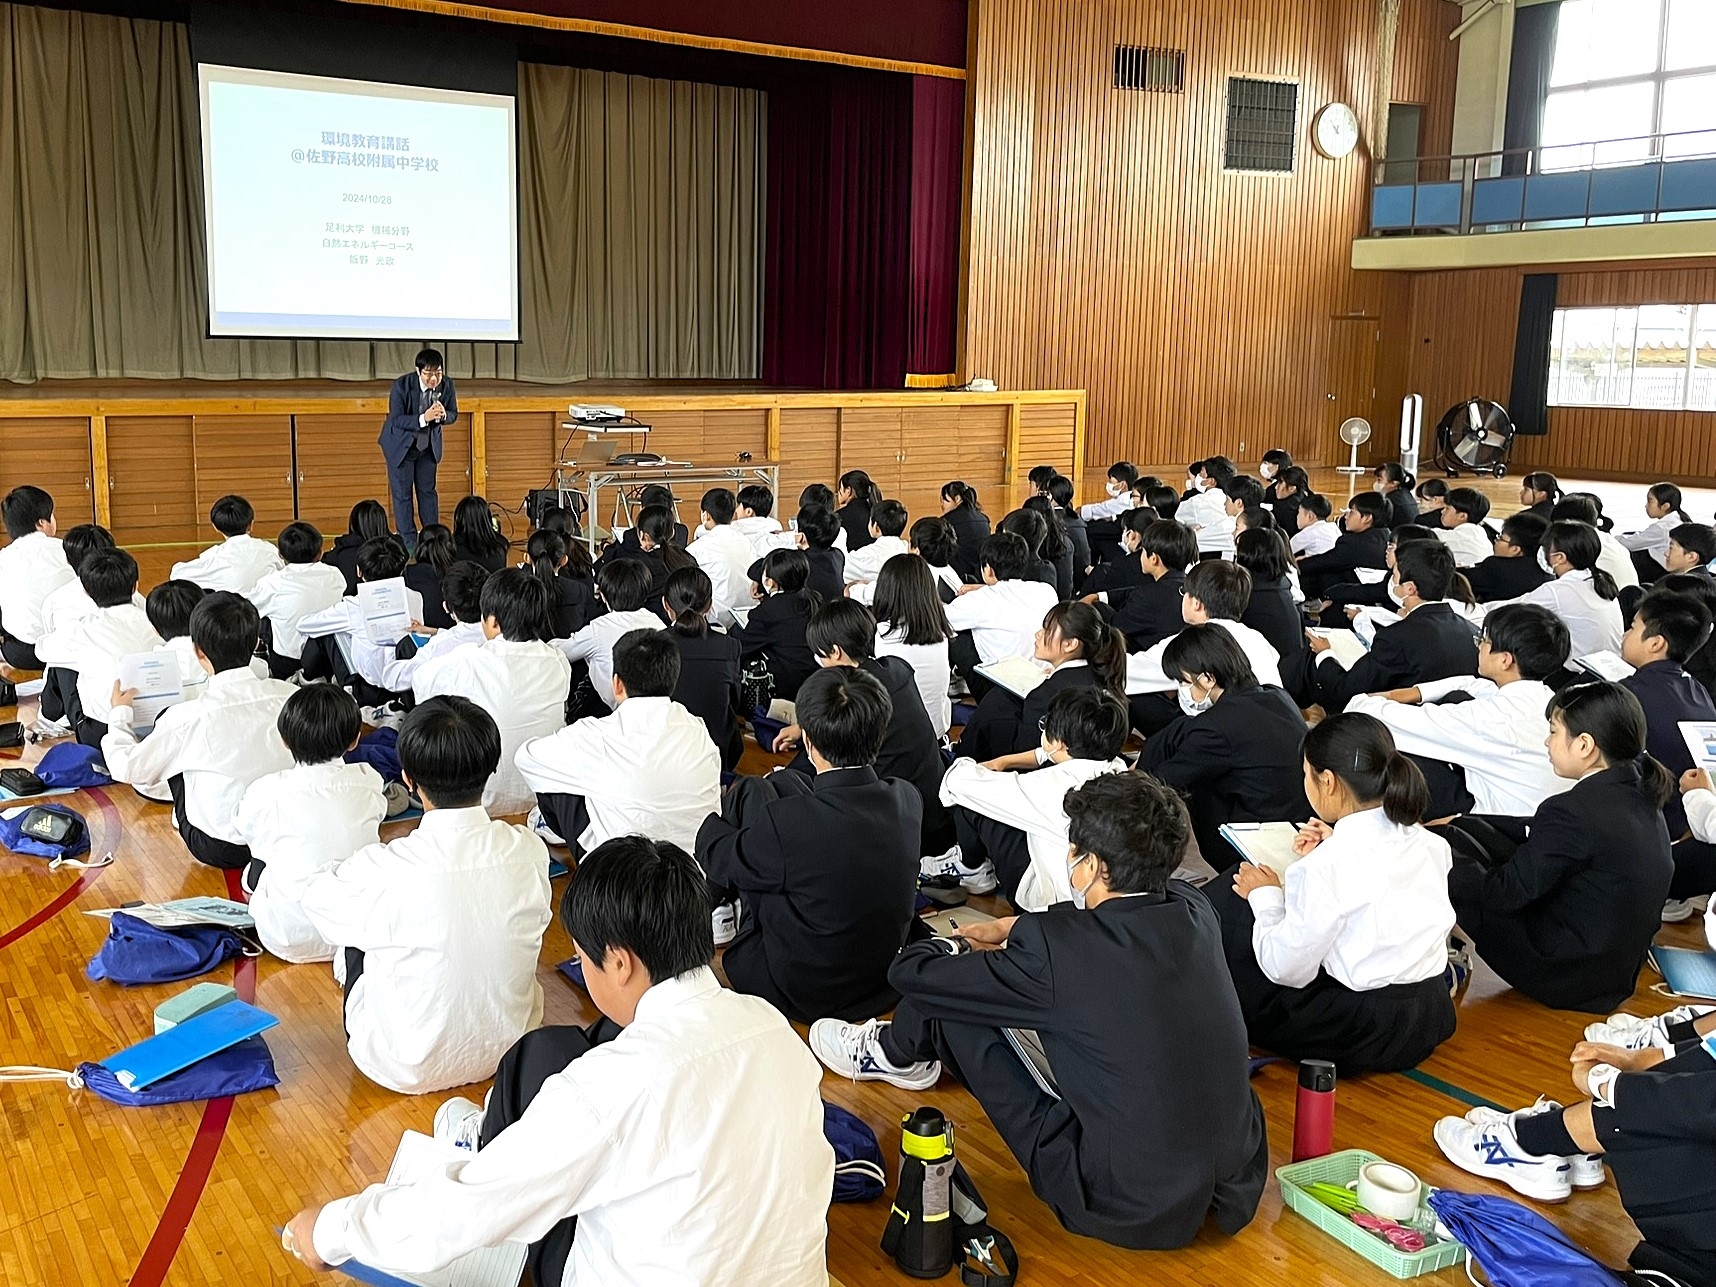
x=1355 y=432
x=1475 y=435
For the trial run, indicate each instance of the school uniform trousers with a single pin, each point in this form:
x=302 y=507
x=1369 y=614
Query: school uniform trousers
x=1351 y=551
x=1430 y=642
x=1004 y=724
x=1566 y=914
x=1152 y=1128
x=1236 y=762
x=827 y=868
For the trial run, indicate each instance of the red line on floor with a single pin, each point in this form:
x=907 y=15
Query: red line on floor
x=68 y=895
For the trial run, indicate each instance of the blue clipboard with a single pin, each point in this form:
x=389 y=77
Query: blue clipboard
x=141 y=1066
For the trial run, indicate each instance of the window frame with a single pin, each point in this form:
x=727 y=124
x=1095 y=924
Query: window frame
x=1557 y=356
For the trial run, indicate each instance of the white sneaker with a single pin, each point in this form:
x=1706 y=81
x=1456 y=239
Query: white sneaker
x=1676 y=910
x=459 y=1122
x=973 y=880
x=539 y=824
x=388 y=716
x=49 y=730
x=1493 y=1151
x=725 y=923
x=1585 y=1170
x=854 y=1050
x=1630 y=1032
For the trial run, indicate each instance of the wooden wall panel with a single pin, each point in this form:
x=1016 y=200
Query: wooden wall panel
x=50 y=452
x=250 y=456
x=810 y=453
x=151 y=464
x=521 y=451
x=1045 y=438
x=1109 y=249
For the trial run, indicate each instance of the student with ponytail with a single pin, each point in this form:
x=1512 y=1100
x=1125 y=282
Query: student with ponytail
x=1394 y=484
x=1649 y=545
x=429 y=563
x=857 y=498
x=571 y=602
x=775 y=628
x=1539 y=493
x=1078 y=648
x=970 y=525
x=709 y=661
x=1564 y=905
x=1345 y=957
x=1581 y=594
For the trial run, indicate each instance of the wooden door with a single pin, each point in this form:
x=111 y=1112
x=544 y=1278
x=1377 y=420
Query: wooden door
x=248 y=456
x=1352 y=389
x=873 y=439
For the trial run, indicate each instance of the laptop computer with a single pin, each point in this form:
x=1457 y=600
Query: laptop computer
x=595 y=451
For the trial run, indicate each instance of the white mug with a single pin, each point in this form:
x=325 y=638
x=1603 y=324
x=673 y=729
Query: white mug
x=1388 y=1191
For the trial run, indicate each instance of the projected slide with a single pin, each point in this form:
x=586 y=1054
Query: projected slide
x=347 y=209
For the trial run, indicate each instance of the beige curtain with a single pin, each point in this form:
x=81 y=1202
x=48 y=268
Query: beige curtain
x=640 y=222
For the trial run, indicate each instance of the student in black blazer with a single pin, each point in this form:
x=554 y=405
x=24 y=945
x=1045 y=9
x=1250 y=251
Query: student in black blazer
x=1149 y=612
x=710 y=666
x=368 y=520
x=1564 y=905
x=970 y=526
x=1430 y=641
x=1057 y=548
x=1395 y=486
x=775 y=629
x=1122 y=570
x=816 y=530
x=1666 y=630
x=1513 y=570
x=1077 y=531
x=433 y=556
x=1363 y=543
x=1539 y=493
x=857 y=497
x=1236 y=759
x=572 y=603
x=1151 y=1128
x=1079 y=648
x=827 y=867
x=656 y=547
x=475 y=537
x=1272 y=611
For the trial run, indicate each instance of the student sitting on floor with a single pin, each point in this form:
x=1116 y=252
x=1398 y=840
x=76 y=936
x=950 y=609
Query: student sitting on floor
x=32 y=566
x=934 y=542
x=1345 y=957
x=1668 y=628
x=211 y=749
x=436 y=552
x=462 y=601
x=1274 y=610
x=815 y=531
x=1007 y=812
x=66 y=604
x=709 y=665
x=90 y=648
x=1314 y=534
x=1216 y=592
x=1612 y=557
x=997 y=618
x=307 y=819
x=1513 y=570
x=1119 y=570
x=1564 y=904
x=1236 y=754
x=301 y=586
x=774 y=631
x=911 y=624
x=963 y=513
x=753 y=516
x=339 y=645
x=1149 y=611
x=368 y=520
x=676 y=1140
x=1581 y=593
x=169 y=608
x=624 y=586
x=1648 y=1117
x=887 y=527
x=1362 y=543
x=1134 y=1119
x=827 y=867
x=1484 y=755
x=1463 y=530
x=1691 y=549
x=1080 y=650
x=438 y=933
x=572 y=600
x=520 y=678
x=1430 y=641
x=648 y=769
x=1649 y=545
x=725 y=554
x=240 y=560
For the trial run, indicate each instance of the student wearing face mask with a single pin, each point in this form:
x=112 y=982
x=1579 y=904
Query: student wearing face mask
x=1134 y=1118
x=1345 y=957
x=1394 y=484
x=1274 y=464
x=1121 y=476
x=1581 y=593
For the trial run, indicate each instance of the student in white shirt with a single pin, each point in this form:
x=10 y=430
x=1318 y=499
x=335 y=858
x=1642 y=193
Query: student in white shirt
x=1612 y=557
x=240 y=560
x=623 y=585
x=211 y=749
x=754 y=518
x=725 y=554
x=439 y=932
x=887 y=522
x=998 y=618
x=677 y=1140
x=1462 y=529
x=1209 y=507
x=934 y=541
x=650 y=768
x=517 y=675
x=1486 y=755
x=1219 y=592
x=307 y=819
x=32 y=566
x=348 y=653
x=1346 y=957
x=1121 y=476
x=301 y=586
x=66 y=604
x=462 y=597
x=1316 y=534
x=91 y=647
x=1649 y=545
x=911 y=623
x=1239 y=493
x=1582 y=594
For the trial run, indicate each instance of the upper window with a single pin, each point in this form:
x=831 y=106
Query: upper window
x=1660 y=356
x=1626 y=70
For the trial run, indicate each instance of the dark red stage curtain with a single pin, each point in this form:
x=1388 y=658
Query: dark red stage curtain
x=938 y=165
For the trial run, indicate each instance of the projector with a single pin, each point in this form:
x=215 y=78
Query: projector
x=595 y=413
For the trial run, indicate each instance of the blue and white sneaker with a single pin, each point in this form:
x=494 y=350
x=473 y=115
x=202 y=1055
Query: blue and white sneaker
x=1460 y=965
x=1630 y=1032
x=951 y=865
x=854 y=1050
x=459 y=1122
x=1585 y=1169
x=1492 y=1150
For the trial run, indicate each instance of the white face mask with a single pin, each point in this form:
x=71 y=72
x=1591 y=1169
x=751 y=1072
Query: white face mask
x=1543 y=562
x=1394 y=593
x=1266 y=469
x=1193 y=705
x=1377 y=488
x=1078 y=895
x=1116 y=490
x=1131 y=547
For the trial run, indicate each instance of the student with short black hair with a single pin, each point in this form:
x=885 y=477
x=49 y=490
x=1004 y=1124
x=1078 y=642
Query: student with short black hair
x=1463 y=529
x=649 y=768
x=70 y=601
x=1313 y=533
x=518 y=675
x=169 y=607
x=725 y=554
x=338 y=641
x=774 y=631
x=1148 y=611
x=826 y=866
x=32 y=566
x=814 y=532
x=1580 y=593
x=1121 y=475
x=1691 y=548
x=933 y=541
x=1513 y=570
x=710 y=669
x=1215 y=591
x=1667 y=629
x=437 y=933
x=705 y=1083
x=624 y=586
x=367 y=521
x=1345 y=957
x=887 y=527
x=1362 y=543
x=302 y=821
x=753 y=516
x=1164 y=500
x=462 y=601
x=210 y=750
x=476 y=537
x=911 y=624
x=85 y=653
x=1134 y=1124
x=301 y=586
x=1030 y=527
x=240 y=560
x=989 y=619
x=964 y=514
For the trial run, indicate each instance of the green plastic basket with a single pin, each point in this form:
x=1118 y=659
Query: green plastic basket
x=1343 y=1168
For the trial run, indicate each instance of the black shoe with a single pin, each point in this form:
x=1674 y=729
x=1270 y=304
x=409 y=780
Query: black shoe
x=8 y=693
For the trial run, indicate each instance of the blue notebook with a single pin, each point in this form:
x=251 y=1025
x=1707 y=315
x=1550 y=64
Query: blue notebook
x=1686 y=971
x=144 y=1064
x=573 y=970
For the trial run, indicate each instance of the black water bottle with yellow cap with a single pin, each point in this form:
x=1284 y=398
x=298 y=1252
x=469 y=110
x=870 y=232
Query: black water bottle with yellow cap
x=920 y=1231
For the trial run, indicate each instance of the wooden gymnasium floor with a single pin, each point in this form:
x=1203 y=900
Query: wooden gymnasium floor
x=192 y=1194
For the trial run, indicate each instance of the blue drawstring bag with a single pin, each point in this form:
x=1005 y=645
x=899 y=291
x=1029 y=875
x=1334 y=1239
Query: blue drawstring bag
x=137 y=952
x=14 y=837
x=71 y=764
x=234 y=1071
x=1515 y=1246
x=379 y=750
x=858 y=1172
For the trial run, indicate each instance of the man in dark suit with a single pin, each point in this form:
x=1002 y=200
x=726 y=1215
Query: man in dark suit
x=827 y=866
x=1430 y=641
x=1133 y=1117
x=420 y=405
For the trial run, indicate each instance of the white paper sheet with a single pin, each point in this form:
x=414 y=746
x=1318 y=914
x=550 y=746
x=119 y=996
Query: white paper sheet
x=155 y=676
x=386 y=611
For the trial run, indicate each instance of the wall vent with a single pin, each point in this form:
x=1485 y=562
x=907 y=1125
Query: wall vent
x=1262 y=124
x=1156 y=71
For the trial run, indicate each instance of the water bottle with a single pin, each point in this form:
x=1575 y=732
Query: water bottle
x=1314 y=1110
x=919 y=1234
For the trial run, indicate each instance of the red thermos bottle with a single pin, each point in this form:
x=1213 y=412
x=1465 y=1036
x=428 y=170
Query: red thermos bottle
x=1314 y=1111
